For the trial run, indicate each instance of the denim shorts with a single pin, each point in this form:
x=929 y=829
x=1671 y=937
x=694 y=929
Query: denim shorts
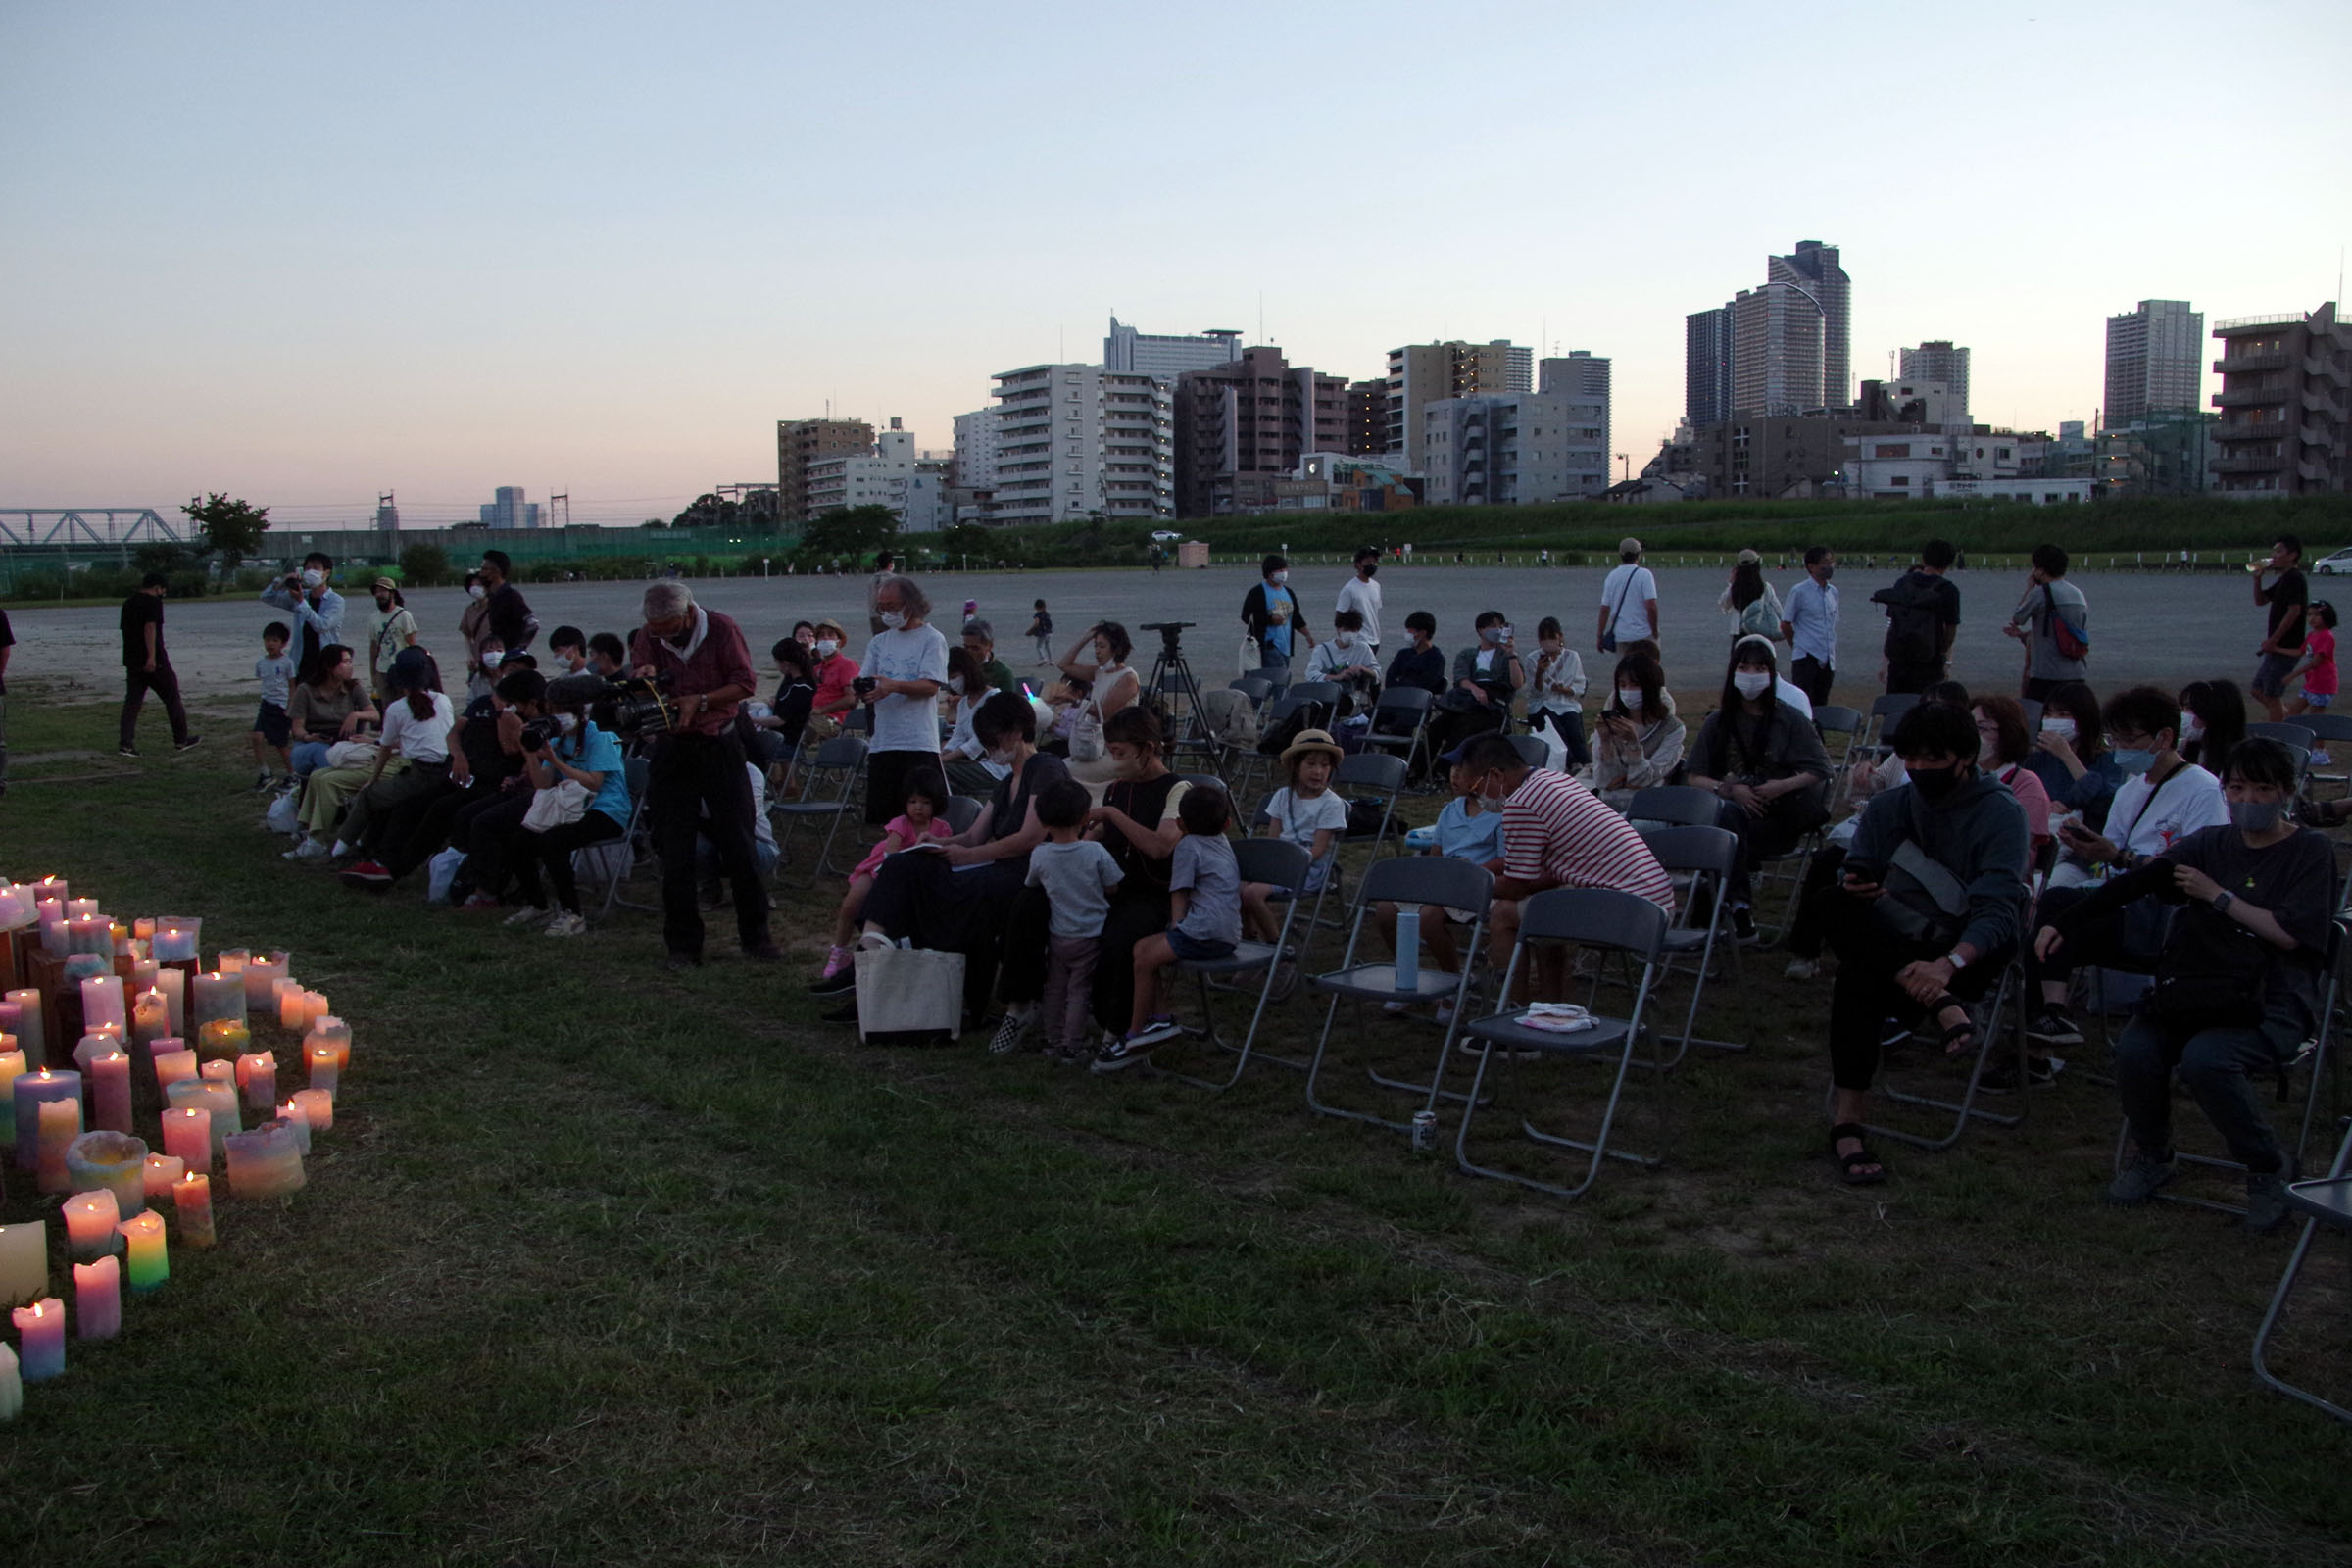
x=1196 y=950
x=2270 y=676
x=2317 y=702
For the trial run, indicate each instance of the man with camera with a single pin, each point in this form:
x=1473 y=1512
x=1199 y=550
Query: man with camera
x=317 y=609
x=698 y=767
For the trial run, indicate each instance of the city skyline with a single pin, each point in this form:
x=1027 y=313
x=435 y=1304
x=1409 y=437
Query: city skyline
x=326 y=256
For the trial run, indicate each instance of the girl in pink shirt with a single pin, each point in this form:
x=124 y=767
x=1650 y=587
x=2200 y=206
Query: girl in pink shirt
x=924 y=818
x=2319 y=668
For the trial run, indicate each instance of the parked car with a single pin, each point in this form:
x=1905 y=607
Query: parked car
x=1165 y=535
x=2338 y=564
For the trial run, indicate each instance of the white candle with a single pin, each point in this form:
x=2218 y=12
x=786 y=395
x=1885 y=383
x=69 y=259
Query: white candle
x=260 y=976
x=257 y=1078
x=90 y=1221
x=11 y=1386
x=157 y=1175
x=80 y=909
x=102 y=1004
x=174 y=984
x=174 y=940
x=98 y=1300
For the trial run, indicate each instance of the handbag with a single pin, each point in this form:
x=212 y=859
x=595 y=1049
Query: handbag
x=1252 y=657
x=909 y=991
x=352 y=753
x=1086 y=733
x=559 y=807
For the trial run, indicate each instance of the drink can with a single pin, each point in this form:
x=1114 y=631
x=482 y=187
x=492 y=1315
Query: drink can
x=1425 y=1132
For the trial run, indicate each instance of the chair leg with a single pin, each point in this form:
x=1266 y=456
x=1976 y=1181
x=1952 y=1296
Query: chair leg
x=1965 y=1109
x=2270 y=1322
x=1435 y=1089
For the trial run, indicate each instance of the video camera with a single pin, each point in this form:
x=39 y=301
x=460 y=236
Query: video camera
x=628 y=707
x=1171 y=633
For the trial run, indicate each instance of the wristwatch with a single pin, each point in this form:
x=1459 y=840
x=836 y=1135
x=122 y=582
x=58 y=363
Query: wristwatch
x=1957 y=962
x=2223 y=900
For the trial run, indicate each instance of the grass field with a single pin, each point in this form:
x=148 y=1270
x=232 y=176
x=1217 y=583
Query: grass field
x=601 y=1264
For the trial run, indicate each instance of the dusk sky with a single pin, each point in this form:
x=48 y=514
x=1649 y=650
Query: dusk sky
x=305 y=253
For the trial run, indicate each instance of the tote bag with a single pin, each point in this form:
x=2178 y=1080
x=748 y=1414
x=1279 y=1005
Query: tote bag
x=909 y=991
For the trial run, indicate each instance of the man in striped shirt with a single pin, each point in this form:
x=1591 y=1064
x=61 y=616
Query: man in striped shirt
x=1556 y=834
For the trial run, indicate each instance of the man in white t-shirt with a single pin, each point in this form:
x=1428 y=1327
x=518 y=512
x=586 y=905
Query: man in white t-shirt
x=1362 y=595
x=1629 y=601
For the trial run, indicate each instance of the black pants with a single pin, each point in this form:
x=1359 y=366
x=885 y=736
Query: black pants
x=1021 y=967
x=1449 y=727
x=414 y=829
x=136 y=684
x=1865 y=994
x=552 y=850
x=1912 y=679
x=2100 y=944
x=698 y=788
x=1570 y=727
x=489 y=834
x=924 y=901
x=1812 y=678
x=1131 y=919
x=1810 y=929
x=2038 y=691
x=1776 y=832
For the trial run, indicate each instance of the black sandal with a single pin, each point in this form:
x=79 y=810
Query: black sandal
x=1955 y=1037
x=1861 y=1168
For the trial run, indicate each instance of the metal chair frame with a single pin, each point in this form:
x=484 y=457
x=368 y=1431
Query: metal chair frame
x=638 y=772
x=2326 y=1201
x=844 y=753
x=1675 y=805
x=1830 y=719
x=1966 y=1109
x=1412 y=700
x=1886 y=712
x=1279 y=864
x=1708 y=856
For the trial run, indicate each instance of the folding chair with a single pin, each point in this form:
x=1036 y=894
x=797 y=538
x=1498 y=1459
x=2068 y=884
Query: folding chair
x=615 y=861
x=1401 y=706
x=1409 y=883
x=1256 y=686
x=1279 y=866
x=1326 y=692
x=1256 y=765
x=2329 y=729
x=2326 y=1200
x=1966 y=1109
x=844 y=755
x=1379 y=779
x=963 y=810
x=1887 y=712
x=1709 y=858
x=1675 y=805
x=2293 y=731
x=1830 y=720
x=1531 y=751
x=1594 y=917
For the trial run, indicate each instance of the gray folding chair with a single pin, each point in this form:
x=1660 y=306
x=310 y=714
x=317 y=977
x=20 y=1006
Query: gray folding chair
x=2329 y=730
x=1256 y=686
x=2033 y=707
x=2326 y=1200
x=1675 y=805
x=1404 y=709
x=616 y=860
x=1531 y=751
x=1326 y=692
x=1279 y=866
x=1887 y=712
x=1409 y=883
x=963 y=810
x=843 y=755
x=1708 y=857
x=1830 y=720
x=1594 y=917
x=1987 y=1017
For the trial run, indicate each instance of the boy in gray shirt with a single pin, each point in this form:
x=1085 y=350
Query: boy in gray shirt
x=271 y=728
x=1204 y=904
x=1077 y=874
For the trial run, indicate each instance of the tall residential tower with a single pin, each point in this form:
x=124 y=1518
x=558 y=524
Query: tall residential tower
x=2155 y=360
x=1814 y=268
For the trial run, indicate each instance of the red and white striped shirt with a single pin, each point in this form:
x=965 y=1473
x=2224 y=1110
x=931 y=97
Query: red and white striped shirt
x=1558 y=834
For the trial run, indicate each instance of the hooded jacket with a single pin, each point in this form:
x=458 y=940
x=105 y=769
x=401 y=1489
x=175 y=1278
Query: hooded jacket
x=1978 y=833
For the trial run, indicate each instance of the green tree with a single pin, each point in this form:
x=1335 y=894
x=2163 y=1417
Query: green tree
x=229 y=529
x=423 y=564
x=652 y=522
x=850 y=531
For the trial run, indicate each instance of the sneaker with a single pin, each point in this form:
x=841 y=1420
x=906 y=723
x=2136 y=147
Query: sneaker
x=1743 y=924
x=2320 y=759
x=1804 y=969
x=2001 y=1077
x=2054 y=1025
x=309 y=849
x=1445 y=1014
x=188 y=745
x=1007 y=1038
x=566 y=925
x=126 y=751
x=1892 y=1032
x=2139 y=1180
x=837 y=959
x=261 y=784
x=2265 y=1201
x=480 y=903
x=1129 y=1049
x=1393 y=1009
x=839 y=980
x=528 y=914
x=367 y=874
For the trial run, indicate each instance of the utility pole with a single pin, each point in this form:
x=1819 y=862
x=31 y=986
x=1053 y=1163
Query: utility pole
x=1627 y=459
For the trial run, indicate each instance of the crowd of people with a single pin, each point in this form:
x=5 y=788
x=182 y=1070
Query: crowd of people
x=1049 y=839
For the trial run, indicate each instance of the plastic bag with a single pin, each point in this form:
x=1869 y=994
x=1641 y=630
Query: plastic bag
x=440 y=872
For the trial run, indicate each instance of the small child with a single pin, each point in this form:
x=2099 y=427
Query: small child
x=1307 y=813
x=1205 y=908
x=2319 y=671
x=272 y=731
x=1041 y=632
x=1077 y=874
x=922 y=819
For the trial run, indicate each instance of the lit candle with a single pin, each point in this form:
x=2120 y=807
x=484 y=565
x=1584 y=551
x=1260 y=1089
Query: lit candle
x=102 y=1004
x=157 y=1175
x=30 y=1028
x=218 y=1072
x=174 y=939
x=331 y=1031
x=222 y=1040
x=89 y=933
x=90 y=1221
x=12 y=1067
x=60 y=1124
x=256 y=1077
x=188 y=1136
x=98 y=1300
x=11 y=1386
x=192 y=1202
x=217 y=1097
x=81 y=908
x=323 y=1071
x=217 y=996
x=292 y=1004
x=293 y=1115
x=143 y=968
x=150 y=1263
x=41 y=1331
x=150 y=1015
x=232 y=961
x=97 y=1043
x=142 y=927
x=317 y=1109
x=174 y=1067
x=110 y=1092
x=24 y=1262
x=29 y=1090
x=260 y=976
x=113 y=1160
x=174 y=984
x=313 y=1008
x=265 y=1162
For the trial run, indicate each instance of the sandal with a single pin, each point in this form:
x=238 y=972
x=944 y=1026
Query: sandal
x=1861 y=1168
x=1957 y=1037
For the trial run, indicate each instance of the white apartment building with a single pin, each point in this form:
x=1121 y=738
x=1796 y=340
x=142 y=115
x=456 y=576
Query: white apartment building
x=1922 y=465
x=1075 y=439
x=976 y=449
x=1148 y=354
x=1514 y=450
x=894 y=475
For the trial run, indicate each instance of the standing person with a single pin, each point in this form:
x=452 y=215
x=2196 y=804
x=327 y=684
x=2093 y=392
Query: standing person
x=1079 y=877
x=1810 y=625
x=1362 y=594
x=904 y=669
x=2319 y=671
x=886 y=567
x=390 y=629
x=2281 y=646
x=8 y=640
x=1556 y=691
x=147 y=667
x=273 y=730
x=2053 y=622
x=698 y=766
x=1272 y=612
x=1628 y=601
x=1754 y=608
x=1040 y=634
x=473 y=631
x=317 y=609
x=1922 y=616
x=510 y=613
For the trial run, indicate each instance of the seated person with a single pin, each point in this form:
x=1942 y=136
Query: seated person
x=1764 y=761
x=1420 y=662
x=2240 y=981
x=1467 y=831
x=1637 y=742
x=608 y=656
x=1308 y=813
x=1486 y=676
x=711 y=875
x=568 y=651
x=776 y=732
x=1346 y=660
x=980 y=641
x=1556 y=693
x=2070 y=758
x=829 y=708
x=562 y=746
x=970 y=772
x=923 y=817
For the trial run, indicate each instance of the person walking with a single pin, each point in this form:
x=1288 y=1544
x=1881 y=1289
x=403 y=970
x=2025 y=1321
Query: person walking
x=1362 y=594
x=1922 y=616
x=147 y=667
x=2053 y=622
x=1274 y=616
x=2287 y=600
x=1809 y=623
x=1629 y=601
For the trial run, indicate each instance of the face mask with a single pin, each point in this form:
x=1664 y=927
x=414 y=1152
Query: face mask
x=1751 y=683
x=2256 y=816
x=826 y=648
x=1828 y=573
x=1004 y=757
x=1631 y=697
x=2133 y=760
x=477 y=591
x=1936 y=783
x=955 y=684
x=2063 y=728
x=491 y=658
x=1493 y=803
x=2192 y=728
x=893 y=619
x=1491 y=635
x=566 y=723
x=1279 y=578
x=1988 y=752
x=312 y=578
x=1371 y=573
x=1345 y=639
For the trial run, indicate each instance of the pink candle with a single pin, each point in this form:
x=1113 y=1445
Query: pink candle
x=293 y=1115
x=173 y=1066
x=98 y=1298
x=102 y=1004
x=256 y=1076
x=292 y=1004
x=192 y=1202
x=323 y=1070
x=329 y=1030
x=90 y=1221
x=188 y=1136
x=41 y=1337
x=317 y=1109
x=110 y=1092
x=158 y=1174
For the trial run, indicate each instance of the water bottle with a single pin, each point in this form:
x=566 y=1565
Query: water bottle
x=971 y=607
x=1408 y=950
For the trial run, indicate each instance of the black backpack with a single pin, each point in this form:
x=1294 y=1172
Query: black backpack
x=1913 y=624
x=1310 y=716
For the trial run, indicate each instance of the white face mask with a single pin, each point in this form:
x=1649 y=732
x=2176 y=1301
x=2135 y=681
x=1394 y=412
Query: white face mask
x=477 y=591
x=566 y=723
x=1279 y=578
x=312 y=578
x=490 y=659
x=1490 y=635
x=894 y=620
x=1004 y=757
x=955 y=684
x=2192 y=728
x=1631 y=697
x=826 y=648
x=1345 y=639
x=1751 y=683
x=2063 y=728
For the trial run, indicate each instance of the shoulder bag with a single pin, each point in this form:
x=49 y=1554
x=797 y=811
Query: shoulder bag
x=1608 y=638
x=559 y=807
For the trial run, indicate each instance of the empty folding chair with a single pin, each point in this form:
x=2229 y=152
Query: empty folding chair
x=843 y=755
x=1674 y=805
x=1282 y=866
x=1703 y=861
x=2327 y=1201
x=1887 y=712
x=1400 y=724
x=1847 y=723
x=1593 y=917
x=1256 y=686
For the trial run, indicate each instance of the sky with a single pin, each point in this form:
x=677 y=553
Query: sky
x=304 y=253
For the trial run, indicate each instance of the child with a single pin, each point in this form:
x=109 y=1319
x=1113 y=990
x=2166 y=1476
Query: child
x=1077 y=874
x=272 y=731
x=1306 y=814
x=1041 y=632
x=1467 y=831
x=922 y=819
x=2319 y=671
x=1205 y=906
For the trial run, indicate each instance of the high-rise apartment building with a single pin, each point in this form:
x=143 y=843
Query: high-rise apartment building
x=1813 y=267
x=801 y=441
x=2155 y=360
x=1707 y=367
x=1367 y=417
x=2286 y=404
x=1421 y=374
x=1940 y=361
x=1582 y=377
x=1243 y=427
x=1514 y=450
x=510 y=510
x=1144 y=353
x=1777 y=337
x=1076 y=439
x=976 y=449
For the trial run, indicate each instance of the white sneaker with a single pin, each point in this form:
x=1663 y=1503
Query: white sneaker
x=308 y=849
x=566 y=925
x=1802 y=969
x=528 y=914
x=341 y=849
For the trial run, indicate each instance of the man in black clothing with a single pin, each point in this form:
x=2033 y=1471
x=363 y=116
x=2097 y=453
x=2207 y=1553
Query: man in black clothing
x=509 y=614
x=2282 y=644
x=146 y=667
x=1922 y=616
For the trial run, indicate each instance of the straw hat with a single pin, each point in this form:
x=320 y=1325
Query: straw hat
x=1312 y=740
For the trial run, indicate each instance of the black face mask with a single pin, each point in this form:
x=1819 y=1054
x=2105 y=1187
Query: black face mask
x=1370 y=573
x=1936 y=784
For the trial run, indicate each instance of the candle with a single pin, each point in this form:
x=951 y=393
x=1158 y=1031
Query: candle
x=110 y=1092
x=232 y=961
x=216 y=1095
x=24 y=1262
x=174 y=984
x=30 y=1029
x=150 y=1264
x=98 y=1300
x=294 y=1116
x=102 y=1004
x=150 y=1015
x=222 y=1040
x=12 y=1067
x=313 y=1008
x=143 y=969
x=256 y=1076
x=142 y=927
x=260 y=976
x=188 y=1136
x=323 y=1071
x=331 y=1031
x=11 y=1386
x=41 y=1331
x=29 y=1090
x=317 y=1109
x=90 y=1221
x=113 y=1160
x=54 y=941
x=157 y=1174
x=94 y=1045
x=292 y=1002
x=91 y=934
x=265 y=1162
x=174 y=939
x=174 y=1067
x=192 y=1200
x=217 y=996
x=218 y=1072
x=81 y=908
x=60 y=1124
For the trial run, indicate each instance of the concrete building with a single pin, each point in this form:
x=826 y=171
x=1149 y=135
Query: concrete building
x=1707 y=367
x=1939 y=360
x=1421 y=374
x=510 y=510
x=2286 y=404
x=1367 y=417
x=1076 y=439
x=2155 y=360
x=1904 y=465
x=1513 y=450
x=1244 y=426
x=1814 y=268
x=1131 y=352
x=892 y=474
x=976 y=449
x=799 y=442
x=1909 y=402
x=1776 y=364
x=1345 y=481
x=1767 y=457
x=1582 y=377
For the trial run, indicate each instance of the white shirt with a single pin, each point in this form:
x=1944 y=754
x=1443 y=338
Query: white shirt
x=966 y=744
x=1329 y=659
x=420 y=740
x=2149 y=822
x=1562 y=682
x=1364 y=599
x=1793 y=696
x=1632 y=583
x=1812 y=616
x=903 y=724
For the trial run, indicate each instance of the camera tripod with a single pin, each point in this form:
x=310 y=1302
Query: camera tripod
x=1172 y=677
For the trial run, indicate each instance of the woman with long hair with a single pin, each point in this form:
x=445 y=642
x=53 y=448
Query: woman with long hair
x=1637 y=740
x=1765 y=761
x=1754 y=608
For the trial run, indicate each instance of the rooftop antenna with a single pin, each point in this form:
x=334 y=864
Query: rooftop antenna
x=1262 y=315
